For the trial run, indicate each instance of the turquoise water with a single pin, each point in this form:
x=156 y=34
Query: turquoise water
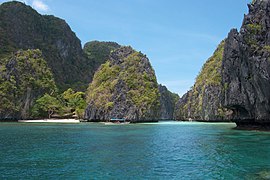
x=141 y=151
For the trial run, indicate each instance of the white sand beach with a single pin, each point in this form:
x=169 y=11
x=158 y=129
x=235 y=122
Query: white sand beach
x=50 y=121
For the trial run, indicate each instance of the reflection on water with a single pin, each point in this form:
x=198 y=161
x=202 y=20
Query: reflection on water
x=172 y=150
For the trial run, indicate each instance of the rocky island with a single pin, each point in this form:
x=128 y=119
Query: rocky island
x=48 y=47
x=40 y=58
x=124 y=87
x=234 y=84
x=44 y=71
x=21 y=27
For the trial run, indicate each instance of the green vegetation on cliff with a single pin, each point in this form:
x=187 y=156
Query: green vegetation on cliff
x=142 y=87
x=74 y=102
x=210 y=73
x=128 y=81
x=68 y=104
x=21 y=27
x=32 y=80
x=46 y=104
x=23 y=77
x=201 y=102
x=28 y=90
x=103 y=84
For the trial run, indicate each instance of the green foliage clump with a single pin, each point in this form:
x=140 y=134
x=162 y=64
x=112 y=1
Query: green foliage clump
x=226 y=86
x=253 y=30
x=109 y=105
x=47 y=104
x=266 y=48
x=63 y=105
x=23 y=77
x=74 y=102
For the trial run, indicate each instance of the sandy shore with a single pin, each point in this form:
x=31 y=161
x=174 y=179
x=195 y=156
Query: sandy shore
x=50 y=121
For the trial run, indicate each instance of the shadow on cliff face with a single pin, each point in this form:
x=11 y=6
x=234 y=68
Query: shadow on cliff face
x=245 y=69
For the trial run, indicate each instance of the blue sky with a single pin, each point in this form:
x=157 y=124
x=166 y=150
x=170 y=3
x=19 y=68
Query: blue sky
x=178 y=36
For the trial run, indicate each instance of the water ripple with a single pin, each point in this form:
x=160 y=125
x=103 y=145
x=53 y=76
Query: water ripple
x=143 y=151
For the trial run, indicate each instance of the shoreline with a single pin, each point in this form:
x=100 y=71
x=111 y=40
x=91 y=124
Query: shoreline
x=242 y=127
x=50 y=121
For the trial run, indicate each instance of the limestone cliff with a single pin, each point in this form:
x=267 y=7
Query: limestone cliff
x=167 y=103
x=21 y=27
x=246 y=68
x=124 y=87
x=203 y=101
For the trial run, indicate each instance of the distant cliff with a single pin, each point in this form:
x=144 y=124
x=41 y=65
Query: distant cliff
x=167 y=103
x=246 y=69
x=21 y=27
x=124 y=87
x=203 y=101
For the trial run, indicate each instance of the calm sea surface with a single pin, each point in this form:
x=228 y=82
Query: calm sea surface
x=167 y=150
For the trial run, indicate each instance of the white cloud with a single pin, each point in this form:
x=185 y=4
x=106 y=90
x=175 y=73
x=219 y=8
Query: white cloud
x=40 y=6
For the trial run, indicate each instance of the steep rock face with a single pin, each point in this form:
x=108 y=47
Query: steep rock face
x=203 y=101
x=24 y=76
x=246 y=68
x=182 y=108
x=124 y=87
x=21 y=27
x=167 y=103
